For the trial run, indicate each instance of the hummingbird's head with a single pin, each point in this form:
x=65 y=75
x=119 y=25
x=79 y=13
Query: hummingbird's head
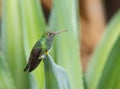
x=50 y=36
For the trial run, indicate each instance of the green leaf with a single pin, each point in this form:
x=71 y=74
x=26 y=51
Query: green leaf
x=22 y=25
x=6 y=80
x=111 y=74
x=33 y=25
x=12 y=43
x=103 y=71
x=66 y=47
x=55 y=76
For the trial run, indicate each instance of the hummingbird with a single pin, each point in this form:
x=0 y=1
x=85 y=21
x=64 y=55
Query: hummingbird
x=40 y=49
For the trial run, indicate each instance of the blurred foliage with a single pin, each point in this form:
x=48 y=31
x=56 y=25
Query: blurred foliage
x=6 y=80
x=103 y=70
x=12 y=43
x=23 y=24
x=64 y=16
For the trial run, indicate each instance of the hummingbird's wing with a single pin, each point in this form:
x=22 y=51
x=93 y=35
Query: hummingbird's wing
x=34 y=58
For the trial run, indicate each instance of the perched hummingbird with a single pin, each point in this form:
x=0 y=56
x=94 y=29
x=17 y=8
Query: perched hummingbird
x=41 y=47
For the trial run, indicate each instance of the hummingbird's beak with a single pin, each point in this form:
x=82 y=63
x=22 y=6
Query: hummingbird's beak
x=60 y=31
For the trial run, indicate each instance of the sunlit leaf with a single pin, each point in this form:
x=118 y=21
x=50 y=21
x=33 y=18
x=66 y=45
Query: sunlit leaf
x=103 y=71
x=12 y=43
x=110 y=78
x=6 y=80
x=33 y=26
x=66 y=47
x=22 y=25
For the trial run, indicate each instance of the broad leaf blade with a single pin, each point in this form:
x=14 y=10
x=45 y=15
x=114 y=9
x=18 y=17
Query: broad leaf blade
x=110 y=78
x=6 y=80
x=66 y=47
x=55 y=76
x=12 y=44
x=33 y=25
x=101 y=60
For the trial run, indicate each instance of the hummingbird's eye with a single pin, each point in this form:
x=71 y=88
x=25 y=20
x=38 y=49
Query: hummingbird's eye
x=50 y=34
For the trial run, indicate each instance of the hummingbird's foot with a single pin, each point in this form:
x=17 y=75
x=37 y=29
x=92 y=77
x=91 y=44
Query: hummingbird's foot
x=46 y=52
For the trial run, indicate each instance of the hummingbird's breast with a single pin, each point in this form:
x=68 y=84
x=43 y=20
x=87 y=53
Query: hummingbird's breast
x=49 y=44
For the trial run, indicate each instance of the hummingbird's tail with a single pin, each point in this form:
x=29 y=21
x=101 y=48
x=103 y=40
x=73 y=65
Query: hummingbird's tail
x=26 y=68
x=32 y=65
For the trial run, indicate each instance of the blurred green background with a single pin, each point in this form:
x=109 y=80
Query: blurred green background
x=24 y=21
